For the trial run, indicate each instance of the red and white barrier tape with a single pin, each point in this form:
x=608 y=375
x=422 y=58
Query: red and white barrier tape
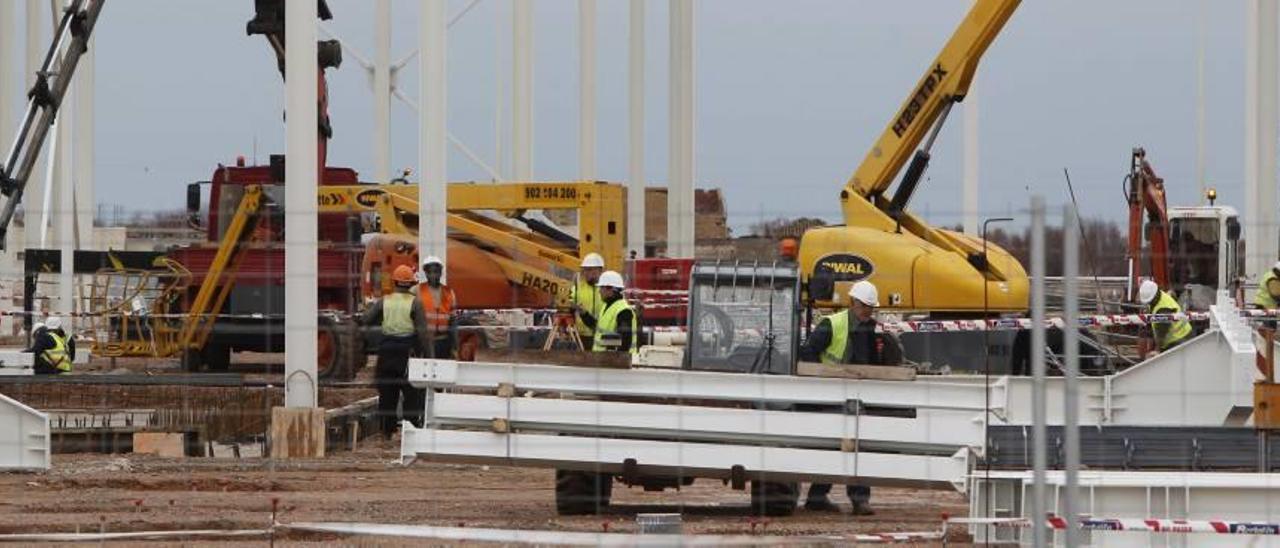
x=1148 y=525
x=885 y=538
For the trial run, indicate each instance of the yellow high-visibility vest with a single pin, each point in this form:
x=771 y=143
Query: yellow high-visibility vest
x=1179 y=329
x=586 y=296
x=397 y=315
x=1263 y=297
x=608 y=325
x=834 y=353
x=57 y=356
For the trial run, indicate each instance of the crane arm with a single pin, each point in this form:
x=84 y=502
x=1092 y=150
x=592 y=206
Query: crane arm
x=944 y=83
x=1146 y=195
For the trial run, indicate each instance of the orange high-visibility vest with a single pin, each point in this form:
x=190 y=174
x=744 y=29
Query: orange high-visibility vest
x=437 y=314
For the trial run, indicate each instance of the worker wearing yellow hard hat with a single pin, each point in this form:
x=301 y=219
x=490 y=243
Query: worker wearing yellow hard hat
x=404 y=331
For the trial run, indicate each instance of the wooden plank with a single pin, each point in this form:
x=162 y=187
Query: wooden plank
x=609 y=360
x=850 y=371
x=163 y=444
x=297 y=432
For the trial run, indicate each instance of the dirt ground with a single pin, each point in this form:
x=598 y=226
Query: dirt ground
x=89 y=492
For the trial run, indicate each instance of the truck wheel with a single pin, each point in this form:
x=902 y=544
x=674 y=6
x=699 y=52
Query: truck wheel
x=579 y=493
x=339 y=350
x=770 y=498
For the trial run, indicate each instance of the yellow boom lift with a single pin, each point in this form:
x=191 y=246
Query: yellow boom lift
x=916 y=266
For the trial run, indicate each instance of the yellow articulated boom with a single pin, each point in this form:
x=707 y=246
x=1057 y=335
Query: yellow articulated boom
x=915 y=266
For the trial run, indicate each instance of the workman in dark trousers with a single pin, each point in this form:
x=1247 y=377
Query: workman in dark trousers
x=54 y=350
x=849 y=336
x=404 y=332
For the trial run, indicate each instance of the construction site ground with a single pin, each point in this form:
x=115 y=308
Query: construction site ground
x=88 y=492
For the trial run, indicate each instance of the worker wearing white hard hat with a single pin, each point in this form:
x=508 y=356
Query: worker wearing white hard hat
x=584 y=297
x=1268 y=294
x=439 y=302
x=54 y=349
x=617 y=329
x=849 y=337
x=1167 y=332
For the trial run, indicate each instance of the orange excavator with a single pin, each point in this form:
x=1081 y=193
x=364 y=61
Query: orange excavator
x=1144 y=191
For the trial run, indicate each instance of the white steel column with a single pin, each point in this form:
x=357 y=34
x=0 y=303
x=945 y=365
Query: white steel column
x=8 y=61
x=83 y=149
x=432 y=136
x=300 y=221
x=680 y=191
x=1261 y=117
x=971 y=160
x=382 y=91
x=522 y=90
x=635 y=161
x=587 y=90
x=33 y=197
x=62 y=208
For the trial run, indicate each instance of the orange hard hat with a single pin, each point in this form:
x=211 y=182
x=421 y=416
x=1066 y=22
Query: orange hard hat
x=402 y=275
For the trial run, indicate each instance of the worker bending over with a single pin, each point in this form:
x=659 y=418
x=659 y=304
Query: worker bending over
x=54 y=350
x=1268 y=294
x=849 y=336
x=585 y=295
x=438 y=301
x=404 y=330
x=617 y=328
x=1167 y=334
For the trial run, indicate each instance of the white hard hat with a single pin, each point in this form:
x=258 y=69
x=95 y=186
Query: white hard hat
x=37 y=326
x=53 y=322
x=1147 y=291
x=865 y=292
x=593 y=260
x=611 y=279
x=432 y=259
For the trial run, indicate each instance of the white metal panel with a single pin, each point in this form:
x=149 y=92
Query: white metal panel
x=705 y=385
x=1167 y=495
x=934 y=430
x=24 y=436
x=684 y=458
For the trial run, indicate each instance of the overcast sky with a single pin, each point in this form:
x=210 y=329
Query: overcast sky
x=790 y=94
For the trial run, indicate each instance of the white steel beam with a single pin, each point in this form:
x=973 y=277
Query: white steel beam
x=706 y=385
x=301 y=177
x=522 y=90
x=382 y=91
x=62 y=209
x=587 y=90
x=1262 y=84
x=432 y=136
x=930 y=431
x=680 y=182
x=635 y=123
x=701 y=460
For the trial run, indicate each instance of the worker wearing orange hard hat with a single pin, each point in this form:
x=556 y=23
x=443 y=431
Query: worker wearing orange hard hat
x=404 y=331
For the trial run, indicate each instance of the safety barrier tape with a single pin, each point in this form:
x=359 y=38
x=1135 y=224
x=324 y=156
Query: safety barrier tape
x=1149 y=525
x=885 y=538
